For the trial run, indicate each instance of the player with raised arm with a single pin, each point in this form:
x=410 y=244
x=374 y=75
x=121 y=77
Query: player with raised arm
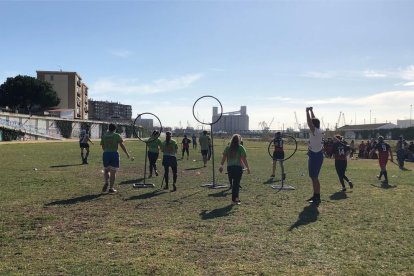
x=315 y=153
x=340 y=152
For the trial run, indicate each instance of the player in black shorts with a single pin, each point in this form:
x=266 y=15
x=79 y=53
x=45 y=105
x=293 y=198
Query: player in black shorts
x=340 y=152
x=278 y=154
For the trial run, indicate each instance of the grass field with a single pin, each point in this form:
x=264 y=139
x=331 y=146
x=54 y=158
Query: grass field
x=55 y=221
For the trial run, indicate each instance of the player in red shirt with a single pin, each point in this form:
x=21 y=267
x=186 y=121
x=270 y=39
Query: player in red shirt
x=384 y=150
x=185 y=146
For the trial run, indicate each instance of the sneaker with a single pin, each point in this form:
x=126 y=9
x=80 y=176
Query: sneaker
x=343 y=189
x=166 y=187
x=104 y=188
x=378 y=177
x=315 y=200
x=112 y=190
x=236 y=202
x=174 y=188
x=310 y=199
x=351 y=185
x=272 y=175
x=156 y=173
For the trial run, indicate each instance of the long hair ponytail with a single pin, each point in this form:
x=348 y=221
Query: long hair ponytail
x=234 y=144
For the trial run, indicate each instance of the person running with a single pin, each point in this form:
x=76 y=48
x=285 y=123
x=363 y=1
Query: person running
x=205 y=143
x=154 y=146
x=169 y=149
x=278 y=154
x=384 y=150
x=185 y=143
x=194 y=138
x=340 y=152
x=315 y=153
x=110 y=157
x=236 y=157
x=84 y=140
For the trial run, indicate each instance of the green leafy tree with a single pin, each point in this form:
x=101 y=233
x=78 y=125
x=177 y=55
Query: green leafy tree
x=24 y=92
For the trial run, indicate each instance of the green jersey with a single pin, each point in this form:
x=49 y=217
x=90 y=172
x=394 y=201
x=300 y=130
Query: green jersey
x=204 y=142
x=154 y=145
x=234 y=158
x=110 y=141
x=170 y=148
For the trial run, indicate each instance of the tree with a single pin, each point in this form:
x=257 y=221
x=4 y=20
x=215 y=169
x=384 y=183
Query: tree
x=27 y=92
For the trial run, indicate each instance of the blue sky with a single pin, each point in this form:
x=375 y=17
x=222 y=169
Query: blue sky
x=275 y=57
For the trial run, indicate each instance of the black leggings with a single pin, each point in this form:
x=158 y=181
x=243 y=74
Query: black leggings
x=167 y=162
x=152 y=157
x=235 y=175
x=340 y=166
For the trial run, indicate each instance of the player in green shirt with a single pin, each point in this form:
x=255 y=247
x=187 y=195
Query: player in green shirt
x=154 y=146
x=205 y=143
x=110 y=142
x=236 y=157
x=169 y=148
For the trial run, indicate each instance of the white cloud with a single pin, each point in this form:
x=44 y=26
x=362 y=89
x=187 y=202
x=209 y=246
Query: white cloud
x=131 y=86
x=320 y=75
x=407 y=73
x=122 y=53
x=408 y=83
x=374 y=74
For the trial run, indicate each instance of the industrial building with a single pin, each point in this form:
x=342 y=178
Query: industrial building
x=231 y=122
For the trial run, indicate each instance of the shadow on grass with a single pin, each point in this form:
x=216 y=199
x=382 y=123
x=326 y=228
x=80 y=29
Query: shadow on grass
x=74 y=200
x=384 y=186
x=308 y=215
x=216 y=213
x=338 y=196
x=147 y=195
x=192 y=169
x=132 y=181
x=271 y=180
x=67 y=165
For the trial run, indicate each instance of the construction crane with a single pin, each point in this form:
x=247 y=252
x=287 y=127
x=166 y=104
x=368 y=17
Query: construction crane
x=297 y=125
x=339 y=119
x=323 y=124
x=343 y=118
x=271 y=122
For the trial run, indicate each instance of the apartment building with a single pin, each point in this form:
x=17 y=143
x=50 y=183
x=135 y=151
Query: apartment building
x=104 y=110
x=73 y=93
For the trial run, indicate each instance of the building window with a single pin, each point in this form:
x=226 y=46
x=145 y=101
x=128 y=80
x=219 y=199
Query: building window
x=52 y=78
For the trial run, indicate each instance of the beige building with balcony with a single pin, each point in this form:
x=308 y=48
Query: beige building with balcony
x=73 y=93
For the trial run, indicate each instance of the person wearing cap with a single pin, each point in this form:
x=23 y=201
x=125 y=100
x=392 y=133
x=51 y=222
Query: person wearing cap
x=315 y=153
x=169 y=148
x=278 y=154
x=384 y=150
x=154 y=144
x=185 y=143
x=110 y=157
x=340 y=152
